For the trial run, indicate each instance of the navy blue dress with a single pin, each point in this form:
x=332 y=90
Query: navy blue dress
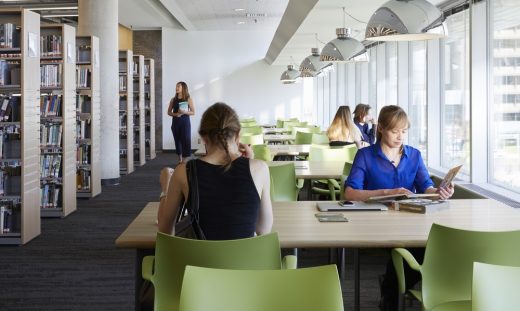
x=181 y=129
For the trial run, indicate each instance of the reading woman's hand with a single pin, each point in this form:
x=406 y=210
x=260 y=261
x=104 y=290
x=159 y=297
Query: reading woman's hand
x=398 y=191
x=246 y=150
x=446 y=192
x=164 y=178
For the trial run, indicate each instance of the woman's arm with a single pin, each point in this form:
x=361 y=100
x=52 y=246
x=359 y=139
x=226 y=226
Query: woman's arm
x=444 y=193
x=170 y=109
x=169 y=205
x=265 y=215
x=352 y=194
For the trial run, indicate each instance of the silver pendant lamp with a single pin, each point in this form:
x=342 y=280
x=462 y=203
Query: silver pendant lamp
x=344 y=48
x=406 y=20
x=289 y=76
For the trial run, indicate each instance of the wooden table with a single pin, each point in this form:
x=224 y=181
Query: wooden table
x=278 y=138
x=314 y=169
x=276 y=150
x=298 y=227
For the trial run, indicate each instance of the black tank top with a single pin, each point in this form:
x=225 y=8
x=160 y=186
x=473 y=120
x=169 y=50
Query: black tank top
x=228 y=200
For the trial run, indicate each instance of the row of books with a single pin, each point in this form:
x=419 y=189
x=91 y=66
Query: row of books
x=83 y=104
x=122 y=119
x=50 y=165
x=50 y=135
x=10 y=107
x=50 y=45
x=10 y=144
x=9 y=217
x=50 y=105
x=50 y=196
x=83 y=154
x=122 y=84
x=83 y=76
x=10 y=73
x=9 y=35
x=83 y=180
x=51 y=75
x=146 y=70
x=83 y=129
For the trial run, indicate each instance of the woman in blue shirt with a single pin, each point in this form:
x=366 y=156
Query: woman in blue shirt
x=362 y=119
x=390 y=167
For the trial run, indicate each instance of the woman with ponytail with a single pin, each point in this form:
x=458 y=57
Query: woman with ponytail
x=234 y=198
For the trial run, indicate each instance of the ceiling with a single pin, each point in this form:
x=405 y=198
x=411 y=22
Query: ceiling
x=294 y=23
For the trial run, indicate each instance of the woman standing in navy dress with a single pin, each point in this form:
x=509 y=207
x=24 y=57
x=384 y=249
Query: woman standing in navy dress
x=180 y=109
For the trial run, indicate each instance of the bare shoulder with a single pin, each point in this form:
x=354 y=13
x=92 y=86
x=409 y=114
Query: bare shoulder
x=179 y=174
x=258 y=165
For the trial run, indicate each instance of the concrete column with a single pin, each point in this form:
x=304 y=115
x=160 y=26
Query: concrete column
x=100 y=18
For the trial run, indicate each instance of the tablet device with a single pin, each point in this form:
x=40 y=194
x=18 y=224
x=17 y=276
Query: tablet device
x=357 y=206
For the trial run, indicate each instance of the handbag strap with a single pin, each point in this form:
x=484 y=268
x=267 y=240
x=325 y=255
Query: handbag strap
x=193 y=196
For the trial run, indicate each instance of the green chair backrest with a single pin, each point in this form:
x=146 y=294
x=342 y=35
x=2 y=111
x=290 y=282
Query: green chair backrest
x=495 y=287
x=315 y=129
x=279 y=123
x=316 y=288
x=251 y=130
x=290 y=124
x=283 y=182
x=262 y=152
x=302 y=138
x=326 y=153
x=173 y=254
x=248 y=124
x=320 y=139
x=250 y=119
x=346 y=171
x=302 y=129
x=252 y=139
x=449 y=256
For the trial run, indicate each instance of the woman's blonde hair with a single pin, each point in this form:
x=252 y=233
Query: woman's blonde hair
x=219 y=124
x=342 y=127
x=391 y=117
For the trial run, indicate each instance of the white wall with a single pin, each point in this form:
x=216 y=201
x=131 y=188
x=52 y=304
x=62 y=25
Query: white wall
x=225 y=66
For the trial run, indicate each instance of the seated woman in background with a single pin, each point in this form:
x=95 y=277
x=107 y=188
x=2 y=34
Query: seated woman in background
x=390 y=167
x=342 y=130
x=362 y=118
x=234 y=198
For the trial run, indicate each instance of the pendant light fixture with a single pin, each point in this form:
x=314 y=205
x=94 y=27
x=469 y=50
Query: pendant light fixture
x=312 y=66
x=406 y=20
x=290 y=76
x=344 y=48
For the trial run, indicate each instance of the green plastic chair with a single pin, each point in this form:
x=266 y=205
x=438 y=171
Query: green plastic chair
x=172 y=254
x=495 y=287
x=251 y=130
x=330 y=187
x=303 y=129
x=315 y=129
x=252 y=139
x=320 y=139
x=307 y=289
x=337 y=188
x=262 y=152
x=284 y=186
x=448 y=264
x=303 y=138
x=248 y=123
x=250 y=119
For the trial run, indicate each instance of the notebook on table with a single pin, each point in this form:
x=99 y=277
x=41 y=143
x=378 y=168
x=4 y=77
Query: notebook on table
x=358 y=206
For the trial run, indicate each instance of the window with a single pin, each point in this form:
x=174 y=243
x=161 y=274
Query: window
x=504 y=119
x=391 y=73
x=417 y=110
x=455 y=108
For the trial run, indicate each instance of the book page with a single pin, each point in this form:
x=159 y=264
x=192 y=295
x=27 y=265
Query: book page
x=450 y=176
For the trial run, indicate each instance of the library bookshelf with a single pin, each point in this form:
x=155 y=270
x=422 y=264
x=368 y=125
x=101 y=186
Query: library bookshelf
x=20 y=126
x=126 y=113
x=139 y=111
x=149 y=107
x=57 y=120
x=88 y=117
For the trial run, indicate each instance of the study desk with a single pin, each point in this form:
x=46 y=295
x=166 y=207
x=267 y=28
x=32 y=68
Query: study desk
x=276 y=150
x=298 y=227
x=314 y=169
x=278 y=138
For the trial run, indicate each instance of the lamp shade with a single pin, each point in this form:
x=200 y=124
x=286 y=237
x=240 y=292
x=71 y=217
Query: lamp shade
x=290 y=75
x=344 y=49
x=312 y=63
x=406 y=20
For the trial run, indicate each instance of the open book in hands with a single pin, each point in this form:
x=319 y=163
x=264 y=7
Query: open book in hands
x=401 y=196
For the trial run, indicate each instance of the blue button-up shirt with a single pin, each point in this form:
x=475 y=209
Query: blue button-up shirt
x=372 y=170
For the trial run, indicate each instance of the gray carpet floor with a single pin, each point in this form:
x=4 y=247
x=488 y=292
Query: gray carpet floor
x=74 y=264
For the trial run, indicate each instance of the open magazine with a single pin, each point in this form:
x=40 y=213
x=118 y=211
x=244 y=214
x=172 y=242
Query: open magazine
x=431 y=196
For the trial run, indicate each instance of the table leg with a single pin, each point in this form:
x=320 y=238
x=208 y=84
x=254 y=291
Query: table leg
x=356 y=279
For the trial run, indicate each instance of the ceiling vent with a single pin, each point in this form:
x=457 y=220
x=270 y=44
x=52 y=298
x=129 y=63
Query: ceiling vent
x=255 y=15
